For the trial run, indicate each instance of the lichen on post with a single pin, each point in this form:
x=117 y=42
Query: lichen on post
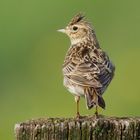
x=86 y=128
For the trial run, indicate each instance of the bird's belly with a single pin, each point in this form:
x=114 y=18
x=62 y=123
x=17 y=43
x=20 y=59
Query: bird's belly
x=73 y=88
x=76 y=90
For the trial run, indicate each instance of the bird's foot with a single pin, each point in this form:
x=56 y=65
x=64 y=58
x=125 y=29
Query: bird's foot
x=78 y=116
x=96 y=115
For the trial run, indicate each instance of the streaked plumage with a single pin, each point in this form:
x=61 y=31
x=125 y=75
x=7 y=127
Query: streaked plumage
x=87 y=69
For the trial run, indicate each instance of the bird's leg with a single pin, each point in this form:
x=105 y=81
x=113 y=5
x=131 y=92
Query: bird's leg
x=77 y=99
x=96 y=111
x=96 y=103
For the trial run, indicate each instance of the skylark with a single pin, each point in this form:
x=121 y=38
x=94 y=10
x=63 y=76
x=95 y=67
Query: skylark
x=87 y=69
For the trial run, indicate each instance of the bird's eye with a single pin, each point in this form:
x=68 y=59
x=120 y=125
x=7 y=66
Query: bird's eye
x=75 y=28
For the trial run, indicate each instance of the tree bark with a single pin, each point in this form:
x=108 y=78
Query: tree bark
x=85 y=128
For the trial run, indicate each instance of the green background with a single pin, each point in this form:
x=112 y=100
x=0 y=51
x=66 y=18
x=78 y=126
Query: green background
x=32 y=53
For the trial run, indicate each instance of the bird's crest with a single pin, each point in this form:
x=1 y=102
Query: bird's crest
x=78 y=18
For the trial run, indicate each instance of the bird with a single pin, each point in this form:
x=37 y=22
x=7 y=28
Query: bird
x=87 y=69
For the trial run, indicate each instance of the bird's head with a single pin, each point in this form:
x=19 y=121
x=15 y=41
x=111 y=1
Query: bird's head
x=78 y=29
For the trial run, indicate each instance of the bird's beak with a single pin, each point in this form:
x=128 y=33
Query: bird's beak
x=62 y=30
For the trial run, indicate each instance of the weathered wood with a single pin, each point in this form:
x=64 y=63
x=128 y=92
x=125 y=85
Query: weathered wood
x=86 y=128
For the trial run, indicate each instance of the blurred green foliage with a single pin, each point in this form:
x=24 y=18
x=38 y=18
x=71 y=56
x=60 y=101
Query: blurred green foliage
x=32 y=53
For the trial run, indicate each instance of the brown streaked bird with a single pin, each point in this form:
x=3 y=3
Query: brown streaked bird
x=87 y=69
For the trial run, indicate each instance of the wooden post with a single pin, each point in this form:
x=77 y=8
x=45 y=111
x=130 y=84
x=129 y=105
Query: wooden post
x=86 y=128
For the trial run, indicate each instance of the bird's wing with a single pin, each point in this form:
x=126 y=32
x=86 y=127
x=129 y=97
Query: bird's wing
x=106 y=74
x=83 y=74
x=89 y=67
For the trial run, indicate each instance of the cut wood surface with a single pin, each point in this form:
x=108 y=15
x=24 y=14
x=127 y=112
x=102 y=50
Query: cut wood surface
x=86 y=128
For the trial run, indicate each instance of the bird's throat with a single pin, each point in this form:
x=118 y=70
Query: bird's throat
x=84 y=40
x=75 y=41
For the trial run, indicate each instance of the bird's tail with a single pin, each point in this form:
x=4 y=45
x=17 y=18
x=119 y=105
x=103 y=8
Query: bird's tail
x=101 y=101
x=94 y=99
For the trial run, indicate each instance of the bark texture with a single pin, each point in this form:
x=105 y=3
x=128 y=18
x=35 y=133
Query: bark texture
x=86 y=128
